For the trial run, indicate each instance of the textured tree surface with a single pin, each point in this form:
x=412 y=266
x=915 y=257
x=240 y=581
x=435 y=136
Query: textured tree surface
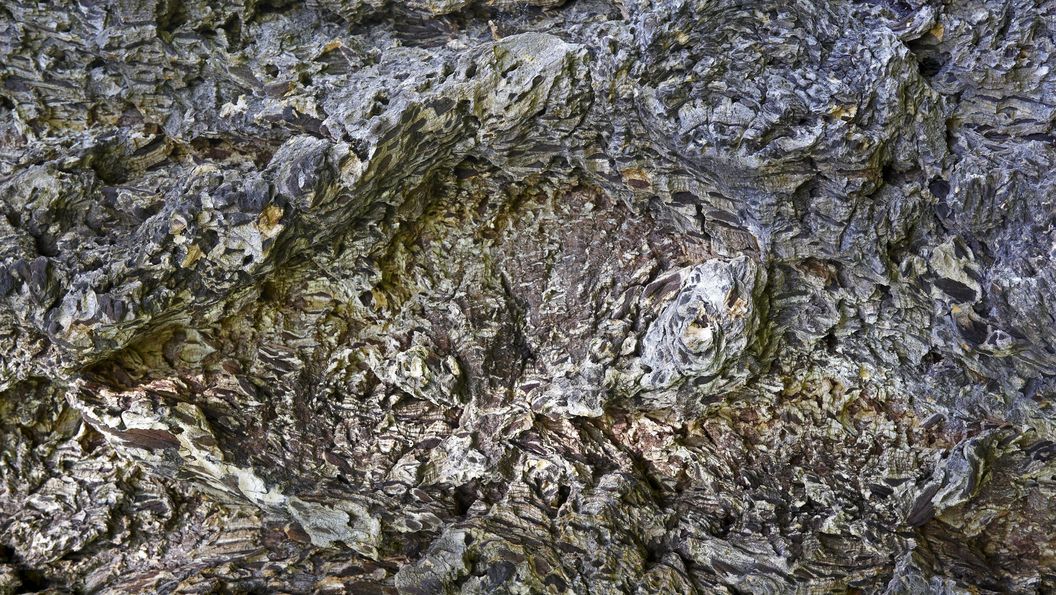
x=456 y=296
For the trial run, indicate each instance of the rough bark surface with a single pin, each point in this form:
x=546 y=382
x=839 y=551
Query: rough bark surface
x=465 y=296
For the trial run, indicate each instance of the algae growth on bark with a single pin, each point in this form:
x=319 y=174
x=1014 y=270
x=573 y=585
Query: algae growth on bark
x=485 y=296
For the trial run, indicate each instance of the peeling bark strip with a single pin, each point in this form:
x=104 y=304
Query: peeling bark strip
x=585 y=296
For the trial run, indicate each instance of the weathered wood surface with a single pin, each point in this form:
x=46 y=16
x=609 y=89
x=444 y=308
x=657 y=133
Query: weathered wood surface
x=464 y=296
